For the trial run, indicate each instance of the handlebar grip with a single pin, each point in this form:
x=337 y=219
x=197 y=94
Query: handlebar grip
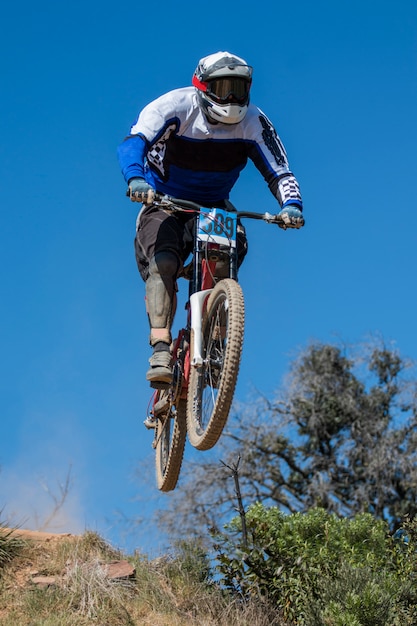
x=146 y=197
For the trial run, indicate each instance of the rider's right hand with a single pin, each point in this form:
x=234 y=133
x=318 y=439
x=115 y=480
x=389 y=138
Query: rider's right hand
x=140 y=191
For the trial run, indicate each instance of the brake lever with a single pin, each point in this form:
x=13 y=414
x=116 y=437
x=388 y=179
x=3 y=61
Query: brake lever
x=271 y=218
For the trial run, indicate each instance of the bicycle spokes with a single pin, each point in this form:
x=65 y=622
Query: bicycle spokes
x=213 y=382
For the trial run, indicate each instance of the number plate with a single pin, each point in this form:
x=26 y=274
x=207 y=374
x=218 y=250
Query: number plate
x=217 y=226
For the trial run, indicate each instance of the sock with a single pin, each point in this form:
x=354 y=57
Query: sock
x=161 y=346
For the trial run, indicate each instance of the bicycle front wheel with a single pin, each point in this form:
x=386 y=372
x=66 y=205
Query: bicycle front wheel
x=171 y=431
x=212 y=385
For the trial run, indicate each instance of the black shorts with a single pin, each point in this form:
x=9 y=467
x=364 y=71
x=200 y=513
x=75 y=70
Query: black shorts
x=158 y=230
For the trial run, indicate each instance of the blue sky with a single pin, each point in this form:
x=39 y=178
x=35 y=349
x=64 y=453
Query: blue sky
x=339 y=81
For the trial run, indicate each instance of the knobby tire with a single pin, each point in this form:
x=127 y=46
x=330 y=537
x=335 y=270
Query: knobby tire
x=212 y=385
x=171 y=431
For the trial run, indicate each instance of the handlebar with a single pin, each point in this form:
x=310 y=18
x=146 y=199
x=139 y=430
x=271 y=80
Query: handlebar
x=178 y=204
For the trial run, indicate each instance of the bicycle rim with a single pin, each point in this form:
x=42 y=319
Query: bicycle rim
x=170 y=436
x=212 y=385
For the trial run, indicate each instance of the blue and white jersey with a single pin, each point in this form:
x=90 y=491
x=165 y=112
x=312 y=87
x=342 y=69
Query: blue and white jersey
x=180 y=153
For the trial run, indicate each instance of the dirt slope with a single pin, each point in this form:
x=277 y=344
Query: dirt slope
x=36 y=535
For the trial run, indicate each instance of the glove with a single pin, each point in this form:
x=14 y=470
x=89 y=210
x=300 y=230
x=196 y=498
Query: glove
x=292 y=217
x=140 y=191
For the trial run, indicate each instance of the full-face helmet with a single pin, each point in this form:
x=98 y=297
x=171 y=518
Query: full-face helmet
x=223 y=82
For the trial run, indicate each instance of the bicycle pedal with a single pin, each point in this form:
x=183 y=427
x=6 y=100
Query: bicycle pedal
x=150 y=422
x=161 y=406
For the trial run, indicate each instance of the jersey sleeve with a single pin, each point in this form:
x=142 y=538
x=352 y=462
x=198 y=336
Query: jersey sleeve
x=131 y=155
x=269 y=156
x=148 y=126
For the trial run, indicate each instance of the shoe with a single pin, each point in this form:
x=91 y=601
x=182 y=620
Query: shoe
x=160 y=372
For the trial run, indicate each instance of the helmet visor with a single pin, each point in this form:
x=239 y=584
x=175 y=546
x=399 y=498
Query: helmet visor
x=229 y=90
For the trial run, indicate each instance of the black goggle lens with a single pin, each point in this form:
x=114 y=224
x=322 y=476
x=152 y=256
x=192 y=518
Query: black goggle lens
x=229 y=90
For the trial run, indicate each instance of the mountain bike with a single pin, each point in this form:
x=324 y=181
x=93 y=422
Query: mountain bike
x=207 y=351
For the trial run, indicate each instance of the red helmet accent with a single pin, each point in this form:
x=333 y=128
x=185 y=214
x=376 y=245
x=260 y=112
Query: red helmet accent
x=199 y=84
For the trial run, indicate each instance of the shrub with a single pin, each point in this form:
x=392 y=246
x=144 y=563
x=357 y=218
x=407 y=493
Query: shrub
x=322 y=570
x=10 y=545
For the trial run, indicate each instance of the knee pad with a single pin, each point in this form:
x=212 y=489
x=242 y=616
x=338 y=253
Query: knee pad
x=165 y=263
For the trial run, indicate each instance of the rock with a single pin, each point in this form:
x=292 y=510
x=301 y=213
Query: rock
x=43 y=581
x=119 y=570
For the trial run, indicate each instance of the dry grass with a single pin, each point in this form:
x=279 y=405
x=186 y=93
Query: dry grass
x=170 y=591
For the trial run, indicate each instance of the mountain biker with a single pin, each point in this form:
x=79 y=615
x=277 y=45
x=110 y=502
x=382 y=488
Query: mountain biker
x=192 y=143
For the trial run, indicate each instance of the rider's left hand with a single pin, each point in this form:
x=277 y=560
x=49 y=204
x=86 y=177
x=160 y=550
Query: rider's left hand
x=291 y=216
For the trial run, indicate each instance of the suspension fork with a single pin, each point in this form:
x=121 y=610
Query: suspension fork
x=201 y=285
x=197 y=303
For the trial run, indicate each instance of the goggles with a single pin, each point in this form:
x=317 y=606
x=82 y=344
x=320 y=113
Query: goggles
x=229 y=90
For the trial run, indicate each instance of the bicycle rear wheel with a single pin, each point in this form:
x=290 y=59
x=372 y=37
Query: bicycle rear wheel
x=170 y=435
x=212 y=385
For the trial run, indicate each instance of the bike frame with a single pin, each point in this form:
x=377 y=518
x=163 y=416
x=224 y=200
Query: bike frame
x=205 y=256
x=206 y=353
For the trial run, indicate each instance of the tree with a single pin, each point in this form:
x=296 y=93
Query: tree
x=341 y=435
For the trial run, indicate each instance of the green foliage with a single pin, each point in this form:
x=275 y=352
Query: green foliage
x=10 y=546
x=322 y=570
x=190 y=565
